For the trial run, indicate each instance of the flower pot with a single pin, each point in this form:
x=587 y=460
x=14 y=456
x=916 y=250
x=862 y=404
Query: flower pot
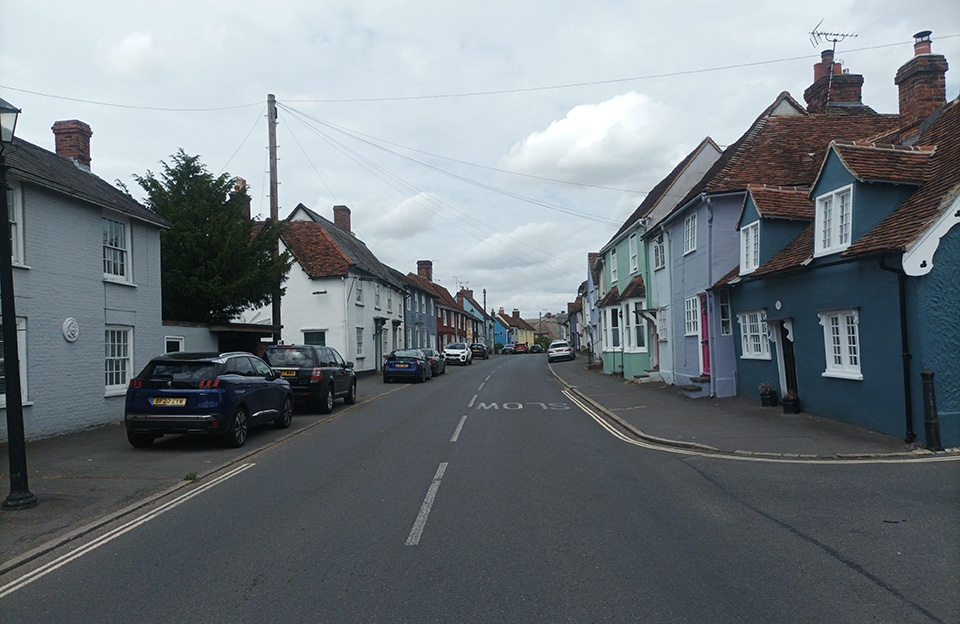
x=768 y=399
x=791 y=405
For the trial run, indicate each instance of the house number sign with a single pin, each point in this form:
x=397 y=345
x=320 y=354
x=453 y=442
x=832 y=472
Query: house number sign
x=71 y=329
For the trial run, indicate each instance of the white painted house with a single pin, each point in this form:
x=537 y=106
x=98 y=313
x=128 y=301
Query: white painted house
x=338 y=293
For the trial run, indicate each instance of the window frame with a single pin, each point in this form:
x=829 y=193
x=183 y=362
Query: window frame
x=613 y=265
x=359 y=299
x=663 y=325
x=849 y=366
x=127 y=250
x=635 y=326
x=376 y=296
x=726 y=316
x=754 y=345
x=15 y=216
x=360 y=343
x=690 y=234
x=22 y=357
x=659 y=253
x=634 y=255
x=120 y=388
x=750 y=247
x=691 y=322
x=829 y=236
x=167 y=340
x=323 y=339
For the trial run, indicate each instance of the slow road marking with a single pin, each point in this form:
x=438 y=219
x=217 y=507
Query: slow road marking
x=421 y=521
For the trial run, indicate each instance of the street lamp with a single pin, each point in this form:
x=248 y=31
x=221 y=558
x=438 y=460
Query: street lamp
x=20 y=496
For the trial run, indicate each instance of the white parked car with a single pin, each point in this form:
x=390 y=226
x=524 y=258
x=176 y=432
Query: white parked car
x=458 y=353
x=560 y=350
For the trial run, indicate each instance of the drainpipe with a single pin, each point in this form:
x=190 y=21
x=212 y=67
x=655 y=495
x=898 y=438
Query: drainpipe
x=671 y=331
x=710 y=332
x=910 y=436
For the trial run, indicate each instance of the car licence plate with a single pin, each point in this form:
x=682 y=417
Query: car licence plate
x=288 y=373
x=403 y=366
x=169 y=401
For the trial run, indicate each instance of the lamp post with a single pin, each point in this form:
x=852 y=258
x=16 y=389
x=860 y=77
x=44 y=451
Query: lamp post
x=20 y=496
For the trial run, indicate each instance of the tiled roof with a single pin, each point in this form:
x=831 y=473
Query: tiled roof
x=871 y=162
x=314 y=249
x=635 y=288
x=442 y=294
x=782 y=202
x=660 y=189
x=729 y=277
x=592 y=258
x=786 y=150
x=925 y=206
x=36 y=165
x=611 y=298
x=574 y=306
x=476 y=306
x=352 y=248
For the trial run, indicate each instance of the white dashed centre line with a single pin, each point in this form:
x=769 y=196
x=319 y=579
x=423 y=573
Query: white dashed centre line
x=470 y=404
x=421 y=521
x=481 y=386
x=456 y=434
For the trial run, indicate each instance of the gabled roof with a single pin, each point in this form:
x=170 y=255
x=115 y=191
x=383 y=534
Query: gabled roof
x=476 y=306
x=350 y=248
x=873 y=162
x=782 y=202
x=661 y=188
x=635 y=288
x=442 y=294
x=785 y=149
x=912 y=218
x=38 y=166
x=314 y=250
x=611 y=298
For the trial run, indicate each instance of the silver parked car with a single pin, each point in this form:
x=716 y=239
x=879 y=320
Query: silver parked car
x=458 y=353
x=560 y=350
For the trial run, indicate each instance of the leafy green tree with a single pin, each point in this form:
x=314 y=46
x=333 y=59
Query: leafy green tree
x=215 y=262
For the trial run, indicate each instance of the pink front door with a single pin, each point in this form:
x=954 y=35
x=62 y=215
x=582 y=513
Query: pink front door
x=704 y=335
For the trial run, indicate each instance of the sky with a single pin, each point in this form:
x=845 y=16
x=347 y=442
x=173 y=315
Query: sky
x=501 y=140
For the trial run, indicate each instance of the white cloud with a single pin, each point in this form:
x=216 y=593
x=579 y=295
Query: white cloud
x=407 y=219
x=134 y=54
x=597 y=142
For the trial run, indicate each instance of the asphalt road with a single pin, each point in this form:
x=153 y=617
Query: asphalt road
x=486 y=495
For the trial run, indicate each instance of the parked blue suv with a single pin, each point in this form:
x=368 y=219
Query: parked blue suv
x=225 y=394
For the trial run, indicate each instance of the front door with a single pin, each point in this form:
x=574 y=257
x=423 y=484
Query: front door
x=704 y=335
x=789 y=362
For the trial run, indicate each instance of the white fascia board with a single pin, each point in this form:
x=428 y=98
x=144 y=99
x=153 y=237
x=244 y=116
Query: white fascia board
x=918 y=258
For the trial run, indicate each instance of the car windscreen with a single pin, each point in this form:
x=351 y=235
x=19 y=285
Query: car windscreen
x=429 y=352
x=289 y=357
x=456 y=345
x=180 y=371
x=558 y=345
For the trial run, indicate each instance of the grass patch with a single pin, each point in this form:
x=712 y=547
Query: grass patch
x=191 y=476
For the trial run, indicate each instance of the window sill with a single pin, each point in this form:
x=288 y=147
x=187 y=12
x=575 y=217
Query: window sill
x=118 y=282
x=357 y=303
x=820 y=253
x=687 y=253
x=19 y=265
x=842 y=375
x=755 y=357
x=696 y=335
x=3 y=404
x=657 y=268
x=745 y=271
x=115 y=392
x=361 y=357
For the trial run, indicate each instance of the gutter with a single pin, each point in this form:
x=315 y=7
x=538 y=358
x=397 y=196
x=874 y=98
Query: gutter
x=910 y=435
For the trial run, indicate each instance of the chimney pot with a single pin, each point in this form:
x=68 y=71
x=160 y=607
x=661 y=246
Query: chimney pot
x=425 y=269
x=73 y=141
x=921 y=45
x=341 y=218
x=516 y=313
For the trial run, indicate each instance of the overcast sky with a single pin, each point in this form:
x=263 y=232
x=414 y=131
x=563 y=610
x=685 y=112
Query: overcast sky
x=639 y=84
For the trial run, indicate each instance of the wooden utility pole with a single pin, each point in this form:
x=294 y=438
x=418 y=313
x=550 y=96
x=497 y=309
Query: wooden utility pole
x=274 y=199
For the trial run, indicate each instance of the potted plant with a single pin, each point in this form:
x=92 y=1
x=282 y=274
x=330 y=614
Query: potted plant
x=791 y=402
x=768 y=395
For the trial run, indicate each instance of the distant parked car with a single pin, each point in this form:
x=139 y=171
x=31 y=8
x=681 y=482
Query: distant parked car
x=560 y=350
x=508 y=349
x=407 y=364
x=480 y=350
x=459 y=353
x=520 y=347
x=536 y=349
x=317 y=374
x=437 y=363
x=225 y=394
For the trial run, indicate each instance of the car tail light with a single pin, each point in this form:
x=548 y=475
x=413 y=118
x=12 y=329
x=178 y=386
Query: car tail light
x=210 y=383
x=316 y=374
x=136 y=383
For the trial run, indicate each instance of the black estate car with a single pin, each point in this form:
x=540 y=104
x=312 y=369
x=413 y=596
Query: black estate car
x=317 y=374
x=216 y=393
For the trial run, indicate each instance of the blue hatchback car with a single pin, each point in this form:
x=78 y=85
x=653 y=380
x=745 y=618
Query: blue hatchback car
x=407 y=364
x=225 y=394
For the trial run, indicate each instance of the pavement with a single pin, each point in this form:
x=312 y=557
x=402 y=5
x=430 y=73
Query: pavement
x=87 y=479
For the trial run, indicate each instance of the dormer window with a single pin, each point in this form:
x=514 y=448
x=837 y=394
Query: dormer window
x=834 y=221
x=749 y=247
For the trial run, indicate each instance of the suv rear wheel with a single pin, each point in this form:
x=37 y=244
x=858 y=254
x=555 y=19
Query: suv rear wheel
x=140 y=439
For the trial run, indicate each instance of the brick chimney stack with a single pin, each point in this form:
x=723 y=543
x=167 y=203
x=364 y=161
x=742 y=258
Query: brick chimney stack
x=240 y=186
x=516 y=313
x=831 y=85
x=467 y=293
x=921 y=81
x=73 y=141
x=425 y=269
x=341 y=218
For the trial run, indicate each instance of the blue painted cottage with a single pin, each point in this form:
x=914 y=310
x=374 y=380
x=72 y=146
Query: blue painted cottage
x=849 y=310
